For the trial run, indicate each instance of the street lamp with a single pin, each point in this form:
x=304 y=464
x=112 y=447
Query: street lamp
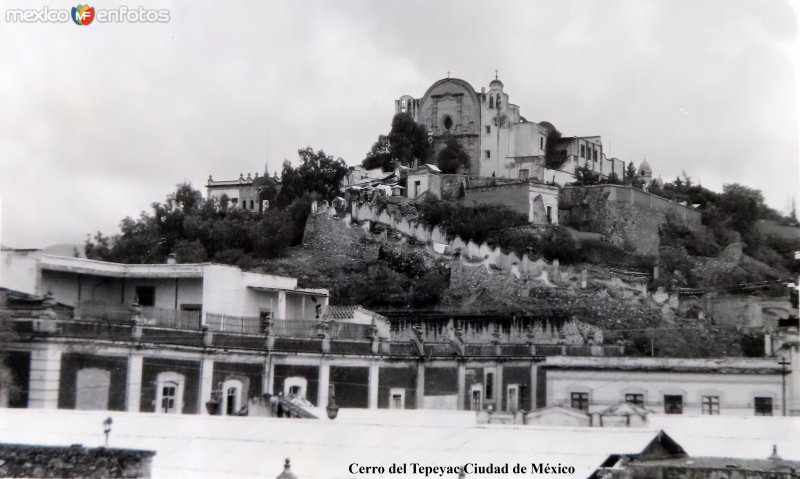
x=107 y=428
x=332 y=409
x=783 y=362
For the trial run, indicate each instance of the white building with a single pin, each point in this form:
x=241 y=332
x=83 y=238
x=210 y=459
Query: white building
x=729 y=386
x=190 y=295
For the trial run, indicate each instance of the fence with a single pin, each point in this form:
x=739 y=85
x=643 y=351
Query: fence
x=234 y=324
x=171 y=318
x=90 y=310
x=289 y=328
x=150 y=315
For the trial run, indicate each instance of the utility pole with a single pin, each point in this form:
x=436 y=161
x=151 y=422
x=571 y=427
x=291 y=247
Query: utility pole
x=783 y=362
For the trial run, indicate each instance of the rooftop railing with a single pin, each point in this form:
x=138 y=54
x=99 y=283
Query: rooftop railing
x=150 y=315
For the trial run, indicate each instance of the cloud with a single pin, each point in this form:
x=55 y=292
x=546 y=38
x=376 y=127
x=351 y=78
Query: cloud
x=99 y=121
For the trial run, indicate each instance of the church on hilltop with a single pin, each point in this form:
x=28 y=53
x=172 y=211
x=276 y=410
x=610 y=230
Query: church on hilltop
x=501 y=142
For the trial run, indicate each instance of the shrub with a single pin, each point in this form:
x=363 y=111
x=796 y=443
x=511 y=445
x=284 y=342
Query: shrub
x=474 y=223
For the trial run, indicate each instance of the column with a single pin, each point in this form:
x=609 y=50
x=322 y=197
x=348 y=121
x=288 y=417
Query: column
x=324 y=383
x=534 y=386
x=45 y=377
x=373 y=385
x=500 y=392
x=793 y=382
x=269 y=374
x=462 y=380
x=133 y=383
x=420 y=384
x=206 y=383
x=281 y=312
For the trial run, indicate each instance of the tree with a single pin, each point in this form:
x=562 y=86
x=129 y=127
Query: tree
x=452 y=157
x=318 y=173
x=272 y=233
x=743 y=207
x=630 y=173
x=584 y=176
x=408 y=140
x=553 y=156
x=380 y=155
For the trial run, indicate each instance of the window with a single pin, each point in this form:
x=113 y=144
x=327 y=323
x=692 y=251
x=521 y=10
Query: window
x=763 y=406
x=146 y=295
x=397 y=398
x=523 y=174
x=549 y=215
x=583 y=151
x=487 y=153
x=266 y=317
x=594 y=153
x=541 y=143
x=232 y=399
x=637 y=399
x=234 y=201
x=489 y=386
x=710 y=405
x=498 y=101
x=580 y=401
x=169 y=393
x=475 y=398
x=512 y=397
x=488 y=129
x=252 y=205
x=491 y=102
x=447 y=122
x=673 y=404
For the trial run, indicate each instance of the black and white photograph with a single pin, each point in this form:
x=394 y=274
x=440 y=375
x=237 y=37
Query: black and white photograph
x=356 y=239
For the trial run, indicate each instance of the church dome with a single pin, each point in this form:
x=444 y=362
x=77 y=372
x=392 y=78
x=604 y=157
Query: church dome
x=644 y=168
x=496 y=83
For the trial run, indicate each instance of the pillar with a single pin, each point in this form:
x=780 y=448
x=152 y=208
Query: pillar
x=133 y=383
x=281 y=312
x=269 y=374
x=45 y=377
x=793 y=381
x=534 y=387
x=420 y=384
x=500 y=392
x=324 y=383
x=462 y=380
x=206 y=383
x=373 y=385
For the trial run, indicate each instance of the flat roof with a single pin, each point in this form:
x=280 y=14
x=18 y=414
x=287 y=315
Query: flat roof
x=120 y=270
x=245 y=447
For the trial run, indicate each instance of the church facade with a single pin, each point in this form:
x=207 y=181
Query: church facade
x=499 y=140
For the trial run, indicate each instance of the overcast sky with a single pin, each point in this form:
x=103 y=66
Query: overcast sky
x=98 y=121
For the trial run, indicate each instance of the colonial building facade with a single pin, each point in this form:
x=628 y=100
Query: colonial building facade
x=499 y=140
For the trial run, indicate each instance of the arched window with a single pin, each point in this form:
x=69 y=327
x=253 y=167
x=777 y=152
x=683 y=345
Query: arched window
x=498 y=101
x=491 y=102
x=232 y=396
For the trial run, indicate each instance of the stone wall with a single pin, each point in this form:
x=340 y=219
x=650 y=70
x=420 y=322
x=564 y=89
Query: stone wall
x=513 y=195
x=631 y=222
x=17 y=460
